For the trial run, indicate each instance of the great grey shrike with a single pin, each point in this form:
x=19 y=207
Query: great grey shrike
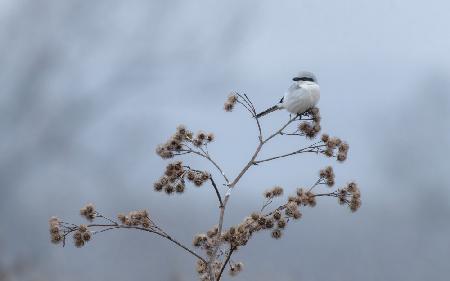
x=301 y=96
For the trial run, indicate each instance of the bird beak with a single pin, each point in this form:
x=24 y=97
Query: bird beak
x=295 y=79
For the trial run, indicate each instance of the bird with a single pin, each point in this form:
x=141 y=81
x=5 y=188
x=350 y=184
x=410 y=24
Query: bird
x=301 y=96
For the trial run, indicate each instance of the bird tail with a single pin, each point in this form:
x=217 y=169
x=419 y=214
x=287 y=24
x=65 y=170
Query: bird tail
x=267 y=111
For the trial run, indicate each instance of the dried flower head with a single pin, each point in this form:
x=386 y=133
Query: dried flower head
x=88 y=211
x=201 y=266
x=56 y=235
x=199 y=240
x=281 y=223
x=210 y=137
x=230 y=102
x=179 y=142
x=276 y=215
x=276 y=191
x=355 y=203
x=352 y=187
x=276 y=233
x=136 y=218
x=341 y=157
x=236 y=268
x=327 y=174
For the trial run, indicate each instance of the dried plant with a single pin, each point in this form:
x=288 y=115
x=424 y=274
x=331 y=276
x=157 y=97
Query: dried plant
x=219 y=244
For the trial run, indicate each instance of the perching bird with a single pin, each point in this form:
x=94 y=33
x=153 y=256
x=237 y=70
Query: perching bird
x=301 y=96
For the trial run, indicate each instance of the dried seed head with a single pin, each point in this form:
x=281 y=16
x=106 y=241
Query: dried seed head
x=169 y=189
x=343 y=147
x=230 y=102
x=332 y=143
x=54 y=229
x=198 y=182
x=281 y=223
x=228 y=107
x=352 y=187
x=262 y=221
x=232 y=98
x=276 y=215
x=235 y=269
x=199 y=240
x=77 y=235
x=121 y=217
x=201 y=266
x=304 y=127
x=79 y=243
x=146 y=223
x=255 y=216
x=274 y=192
x=82 y=228
x=276 y=233
x=205 y=176
x=328 y=152
x=316 y=128
x=86 y=236
x=354 y=204
x=341 y=157
x=191 y=175
x=212 y=232
x=297 y=215
x=210 y=137
x=201 y=136
x=311 y=199
x=158 y=186
x=277 y=191
x=56 y=238
x=300 y=192
x=179 y=188
x=328 y=175
x=269 y=223
x=88 y=211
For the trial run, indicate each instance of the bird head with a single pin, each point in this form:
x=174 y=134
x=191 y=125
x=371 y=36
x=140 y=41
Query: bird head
x=305 y=76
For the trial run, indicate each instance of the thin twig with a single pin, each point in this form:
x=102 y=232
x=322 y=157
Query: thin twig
x=210 y=160
x=267 y=203
x=311 y=148
x=108 y=219
x=227 y=259
x=161 y=234
x=213 y=183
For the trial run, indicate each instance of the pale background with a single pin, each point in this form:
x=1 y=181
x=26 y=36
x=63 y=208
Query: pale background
x=89 y=88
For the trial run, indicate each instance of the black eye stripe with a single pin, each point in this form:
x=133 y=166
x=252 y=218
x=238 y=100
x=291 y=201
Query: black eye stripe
x=303 y=79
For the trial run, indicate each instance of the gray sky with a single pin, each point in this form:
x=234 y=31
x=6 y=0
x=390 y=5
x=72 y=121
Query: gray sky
x=90 y=89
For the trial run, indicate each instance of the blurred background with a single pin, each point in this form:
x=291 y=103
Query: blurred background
x=90 y=88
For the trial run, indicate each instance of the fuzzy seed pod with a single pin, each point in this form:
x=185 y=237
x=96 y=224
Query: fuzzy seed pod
x=276 y=233
x=325 y=138
x=87 y=236
x=255 y=216
x=276 y=215
x=281 y=223
x=262 y=221
x=269 y=223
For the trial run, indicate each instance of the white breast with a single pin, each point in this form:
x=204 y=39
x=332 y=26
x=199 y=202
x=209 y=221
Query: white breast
x=300 y=98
